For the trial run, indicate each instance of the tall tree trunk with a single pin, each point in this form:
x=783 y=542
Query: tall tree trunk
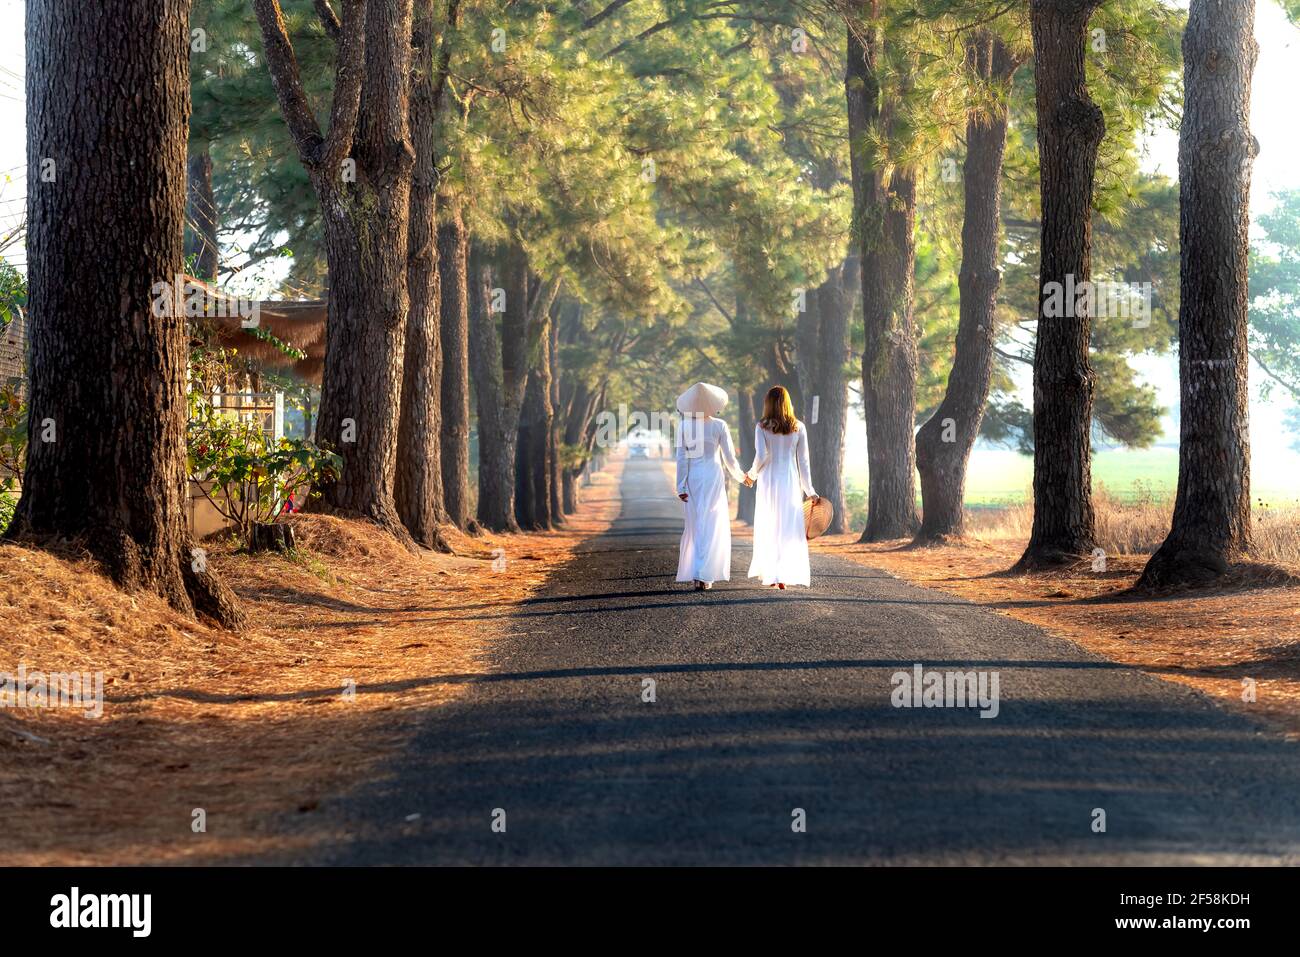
x=533 y=454
x=418 y=481
x=554 y=437
x=807 y=333
x=593 y=433
x=365 y=196
x=580 y=409
x=1211 y=524
x=566 y=486
x=453 y=247
x=944 y=442
x=745 y=399
x=579 y=401
x=834 y=300
x=569 y=490
x=782 y=370
x=501 y=375
x=884 y=225
x=496 y=450
x=106 y=458
x=1070 y=130
x=524 y=512
x=201 y=212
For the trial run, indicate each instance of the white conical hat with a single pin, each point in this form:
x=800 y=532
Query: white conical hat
x=702 y=399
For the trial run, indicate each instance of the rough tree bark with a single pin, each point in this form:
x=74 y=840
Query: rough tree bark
x=579 y=400
x=501 y=364
x=807 y=333
x=944 y=442
x=1070 y=130
x=590 y=452
x=106 y=458
x=496 y=453
x=417 y=485
x=361 y=172
x=580 y=407
x=745 y=399
x=1211 y=524
x=884 y=219
x=453 y=252
x=554 y=435
x=533 y=459
x=782 y=370
x=201 y=212
x=833 y=301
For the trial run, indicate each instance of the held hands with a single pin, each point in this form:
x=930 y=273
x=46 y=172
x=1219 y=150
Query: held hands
x=749 y=482
x=682 y=496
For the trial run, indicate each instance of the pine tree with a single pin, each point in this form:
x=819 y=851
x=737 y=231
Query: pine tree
x=944 y=442
x=1070 y=131
x=361 y=171
x=106 y=458
x=1211 y=524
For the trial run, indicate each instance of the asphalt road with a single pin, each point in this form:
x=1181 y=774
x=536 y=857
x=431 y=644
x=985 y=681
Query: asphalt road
x=767 y=702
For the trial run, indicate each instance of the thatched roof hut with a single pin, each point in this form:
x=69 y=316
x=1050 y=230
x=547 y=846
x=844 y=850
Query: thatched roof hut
x=13 y=348
x=300 y=324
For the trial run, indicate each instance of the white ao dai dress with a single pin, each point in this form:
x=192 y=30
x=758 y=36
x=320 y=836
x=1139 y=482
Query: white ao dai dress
x=782 y=478
x=703 y=449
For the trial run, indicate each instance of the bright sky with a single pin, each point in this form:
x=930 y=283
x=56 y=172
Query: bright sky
x=1277 y=79
x=13 y=147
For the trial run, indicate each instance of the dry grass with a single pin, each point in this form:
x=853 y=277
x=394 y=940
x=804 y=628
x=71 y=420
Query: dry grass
x=1137 y=526
x=1211 y=639
x=249 y=727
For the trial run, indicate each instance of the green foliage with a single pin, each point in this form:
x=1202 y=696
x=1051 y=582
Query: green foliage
x=13 y=411
x=13 y=450
x=263 y=196
x=250 y=474
x=302 y=397
x=1008 y=423
x=1134 y=75
x=855 y=503
x=13 y=293
x=1293 y=423
x=257 y=332
x=1274 y=334
x=1135 y=224
x=682 y=165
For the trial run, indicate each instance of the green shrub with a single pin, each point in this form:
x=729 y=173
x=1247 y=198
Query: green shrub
x=13 y=449
x=252 y=474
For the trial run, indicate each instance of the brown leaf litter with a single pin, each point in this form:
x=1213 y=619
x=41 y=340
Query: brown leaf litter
x=250 y=726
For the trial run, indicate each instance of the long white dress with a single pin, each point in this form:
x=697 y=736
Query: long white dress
x=780 y=472
x=703 y=448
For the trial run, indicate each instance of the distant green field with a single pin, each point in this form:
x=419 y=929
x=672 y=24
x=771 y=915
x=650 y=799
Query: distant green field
x=999 y=477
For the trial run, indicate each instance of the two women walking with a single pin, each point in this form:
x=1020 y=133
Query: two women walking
x=779 y=473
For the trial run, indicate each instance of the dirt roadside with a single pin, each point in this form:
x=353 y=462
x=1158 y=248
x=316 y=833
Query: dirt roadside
x=349 y=643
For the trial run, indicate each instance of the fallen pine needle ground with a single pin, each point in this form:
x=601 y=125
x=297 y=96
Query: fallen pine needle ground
x=350 y=641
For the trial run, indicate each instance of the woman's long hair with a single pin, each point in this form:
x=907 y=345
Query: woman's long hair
x=778 y=412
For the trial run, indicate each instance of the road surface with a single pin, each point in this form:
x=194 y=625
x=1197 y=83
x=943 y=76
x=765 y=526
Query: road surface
x=775 y=707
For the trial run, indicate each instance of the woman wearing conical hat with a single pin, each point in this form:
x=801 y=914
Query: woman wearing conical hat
x=704 y=449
